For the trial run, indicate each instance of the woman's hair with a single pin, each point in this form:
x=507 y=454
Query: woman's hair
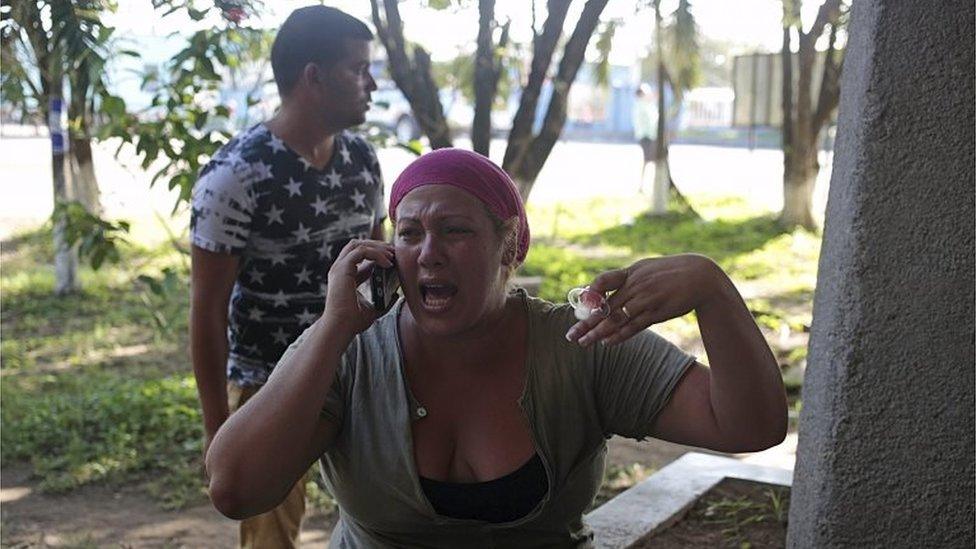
x=313 y=34
x=507 y=231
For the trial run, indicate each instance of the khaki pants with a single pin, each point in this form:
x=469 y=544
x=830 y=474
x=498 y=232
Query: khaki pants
x=278 y=528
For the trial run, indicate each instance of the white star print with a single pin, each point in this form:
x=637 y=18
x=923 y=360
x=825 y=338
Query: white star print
x=280 y=336
x=306 y=317
x=274 y=215
x=234 y=158
x=251 y=195
x=325 y=250
x=344 y=153
x=279 y=257
x=262 y=170
x=304 y=275
x=367 y=176
x=305 y=163
x=294 y=187
x=320 y=206
x=302 y=233
x=335 y=180
x=279 y=299
x=276 y=144
x=256 y=276
x=255 y=314
x=251 y=349
x=359 y=199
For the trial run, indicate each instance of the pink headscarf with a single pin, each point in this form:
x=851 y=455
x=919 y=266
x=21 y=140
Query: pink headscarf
x=473 y=173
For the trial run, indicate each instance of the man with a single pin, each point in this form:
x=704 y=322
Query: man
x=645 y=127
x=270 y=213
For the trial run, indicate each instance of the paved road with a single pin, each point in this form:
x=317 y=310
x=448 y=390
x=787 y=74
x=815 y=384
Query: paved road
x=575 y=170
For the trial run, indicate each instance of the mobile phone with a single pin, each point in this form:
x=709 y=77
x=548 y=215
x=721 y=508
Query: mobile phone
x=384 y=284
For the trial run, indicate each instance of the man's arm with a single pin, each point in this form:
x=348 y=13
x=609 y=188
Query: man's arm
x=212 y=277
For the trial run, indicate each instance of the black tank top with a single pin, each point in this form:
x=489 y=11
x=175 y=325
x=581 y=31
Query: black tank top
x=504 y=499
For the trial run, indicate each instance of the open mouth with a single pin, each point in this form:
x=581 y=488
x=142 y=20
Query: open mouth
x=437 y=296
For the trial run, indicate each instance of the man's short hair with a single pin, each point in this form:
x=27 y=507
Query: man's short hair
x=313 y=34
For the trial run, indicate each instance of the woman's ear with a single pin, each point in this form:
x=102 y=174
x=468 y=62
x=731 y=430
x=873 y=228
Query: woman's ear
x=510 y=244
x=508 y=256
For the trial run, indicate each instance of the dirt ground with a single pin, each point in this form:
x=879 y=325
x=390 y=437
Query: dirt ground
x=99 y=516
x=735 y=513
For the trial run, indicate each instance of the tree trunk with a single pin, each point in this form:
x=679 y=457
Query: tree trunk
x=800 y=146
x=662 y=172
x=412 y=77
x=426 y=103
x=530 y=155
x=84 y=184
x=485 y=79
x=786 y=60
x=65 y=258
x=520 y=137
x=798 y=191
x=661 y=188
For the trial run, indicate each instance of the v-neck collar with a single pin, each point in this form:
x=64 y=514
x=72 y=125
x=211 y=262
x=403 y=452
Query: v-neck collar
x=524 y=402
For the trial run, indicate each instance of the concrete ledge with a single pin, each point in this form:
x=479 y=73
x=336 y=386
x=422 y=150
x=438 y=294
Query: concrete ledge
x=662 y=499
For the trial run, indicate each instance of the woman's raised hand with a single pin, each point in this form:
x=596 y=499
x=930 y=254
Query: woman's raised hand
x=648 y=292
x=344 y=306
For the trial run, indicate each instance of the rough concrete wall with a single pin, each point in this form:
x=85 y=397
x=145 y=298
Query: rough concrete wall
x=886 y=447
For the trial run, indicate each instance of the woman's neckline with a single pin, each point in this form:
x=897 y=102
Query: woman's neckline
x=481 y=483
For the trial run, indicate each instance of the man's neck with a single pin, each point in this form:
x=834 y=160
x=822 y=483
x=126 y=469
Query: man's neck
x=303 y=134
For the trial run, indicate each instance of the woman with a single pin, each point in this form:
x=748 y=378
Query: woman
x=470 y=415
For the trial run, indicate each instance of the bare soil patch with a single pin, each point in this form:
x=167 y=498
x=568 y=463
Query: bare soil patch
x=735 y=513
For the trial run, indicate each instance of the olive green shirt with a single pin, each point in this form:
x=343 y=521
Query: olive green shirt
x=574 y=400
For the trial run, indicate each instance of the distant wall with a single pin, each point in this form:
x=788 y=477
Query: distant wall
x=886 y=445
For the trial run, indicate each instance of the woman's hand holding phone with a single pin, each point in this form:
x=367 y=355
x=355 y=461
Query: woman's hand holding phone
x=384 y=283
x=344 y=305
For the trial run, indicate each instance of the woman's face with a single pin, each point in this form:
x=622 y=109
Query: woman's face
x=449 y=257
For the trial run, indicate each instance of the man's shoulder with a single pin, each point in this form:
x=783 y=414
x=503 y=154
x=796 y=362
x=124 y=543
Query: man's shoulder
x=359 y=146
x=250 y=145
x=354 y=138
x=248 y=159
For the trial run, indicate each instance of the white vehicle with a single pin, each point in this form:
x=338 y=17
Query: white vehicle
x=391 y=109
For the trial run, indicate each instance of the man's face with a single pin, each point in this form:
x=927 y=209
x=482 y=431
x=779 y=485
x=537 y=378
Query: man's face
x=347 y=87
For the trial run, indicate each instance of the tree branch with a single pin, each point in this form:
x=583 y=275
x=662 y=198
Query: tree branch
x=412 y=77
x=378 y=22
x=827 y=14
x=569 y=65
x=786 y=59
x=520 y=136
x=829 y=86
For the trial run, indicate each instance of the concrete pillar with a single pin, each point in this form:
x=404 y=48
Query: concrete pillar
x=886 y=446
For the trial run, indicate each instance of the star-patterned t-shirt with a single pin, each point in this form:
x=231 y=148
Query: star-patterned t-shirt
x=287 y=221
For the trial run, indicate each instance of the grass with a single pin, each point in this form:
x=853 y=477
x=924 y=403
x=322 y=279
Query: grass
x=97 y=386
x=733 y=514
x=775 y=270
